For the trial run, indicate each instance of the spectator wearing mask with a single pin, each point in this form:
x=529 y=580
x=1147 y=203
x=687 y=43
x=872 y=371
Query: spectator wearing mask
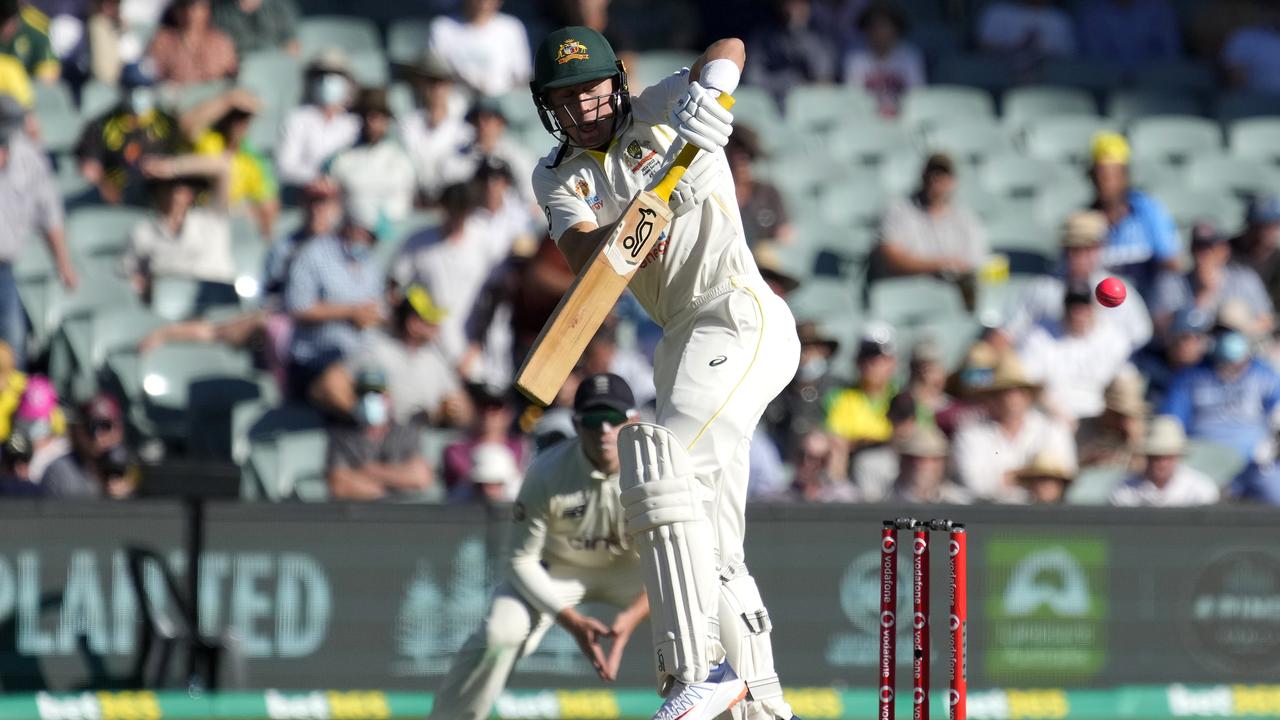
x=1045 y=479
x=922 y=475
x=929 y=234
x=965 y=386
x=859 y=415
x=1129 y=33
x=259 y=25
x=1035 y=29
x=375 y=174
x=1256 y=246
x=1212 y=281
x=1112 y=439
x=188 y=49
x=790 y=50
x=29 y=203
x=487 y=50
x=41 y=421
x=887 y=67
x=24 y=34
x=432 y=131
x=814 y=482
x=113 y=146
x=1040 y=302
x=375 y=457
x=1142 y=239
x=91 y=469
x=180 y=238
x=334 y=294
x=801 y=408
x=1165 y=480
x=322 y=126
x=492 y=425
x=987 y=451
x=219 y=127
x=764 y=212
x=1076 y=358
x=1231 y=397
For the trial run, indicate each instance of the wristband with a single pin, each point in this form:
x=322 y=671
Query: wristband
x=721 y=74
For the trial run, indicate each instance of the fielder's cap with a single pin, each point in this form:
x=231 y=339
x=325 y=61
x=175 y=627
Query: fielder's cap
x=604 y=390
x=939 y=163
x=493 y=463
x=420 y=299
x=572 y=55
x=924 y=441
x=1084 y=228
x=1204 y=234
x=811 y=334
x=12 y=117
x=1165 y=436
x=372 y=100
x=877 y=339
x=1109 y=148
x=1263 y=210
x=1078 y=294
x=1046 y=464
x=371 y=379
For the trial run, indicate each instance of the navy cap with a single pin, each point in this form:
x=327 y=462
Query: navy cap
x=605 y=390
x=1264 y=210
x=1205 y=234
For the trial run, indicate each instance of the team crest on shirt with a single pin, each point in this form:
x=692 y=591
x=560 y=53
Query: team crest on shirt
x=644 y=159
x=571 y=50
x=585 y=191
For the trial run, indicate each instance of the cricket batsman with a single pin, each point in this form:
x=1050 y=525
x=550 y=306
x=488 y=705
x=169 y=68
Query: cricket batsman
x=569 y=547
x=729 y=346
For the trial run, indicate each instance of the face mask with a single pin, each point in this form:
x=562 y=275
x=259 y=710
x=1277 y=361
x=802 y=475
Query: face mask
x=1231 y=348
x=331 y=89
x=358 y=253
x=142 y=100
x=373 y=409
x=812 y=370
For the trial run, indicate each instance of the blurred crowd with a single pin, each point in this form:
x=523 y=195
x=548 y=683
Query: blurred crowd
x=415 y=271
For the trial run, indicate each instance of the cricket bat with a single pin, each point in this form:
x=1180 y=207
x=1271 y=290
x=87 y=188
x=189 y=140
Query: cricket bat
x=597 y=288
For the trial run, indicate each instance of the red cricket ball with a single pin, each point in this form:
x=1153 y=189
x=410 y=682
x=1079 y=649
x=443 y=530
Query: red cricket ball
x=1111 y=291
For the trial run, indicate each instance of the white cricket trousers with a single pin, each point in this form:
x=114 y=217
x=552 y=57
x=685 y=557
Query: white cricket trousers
x=513 y=628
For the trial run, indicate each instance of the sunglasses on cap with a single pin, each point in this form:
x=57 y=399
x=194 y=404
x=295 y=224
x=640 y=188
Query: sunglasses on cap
x=596 y=419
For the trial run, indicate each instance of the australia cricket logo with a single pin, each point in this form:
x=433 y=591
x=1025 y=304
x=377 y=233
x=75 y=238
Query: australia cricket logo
x=635 y=151
x=639 y=239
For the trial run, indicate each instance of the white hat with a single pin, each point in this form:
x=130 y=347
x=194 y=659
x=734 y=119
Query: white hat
x=493 y=463
x=1165 y=436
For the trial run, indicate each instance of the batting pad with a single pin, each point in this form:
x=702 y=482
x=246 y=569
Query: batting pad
x=670 y=527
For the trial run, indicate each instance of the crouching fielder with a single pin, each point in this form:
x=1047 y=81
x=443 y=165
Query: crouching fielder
x=729 y=346
x=569 y=547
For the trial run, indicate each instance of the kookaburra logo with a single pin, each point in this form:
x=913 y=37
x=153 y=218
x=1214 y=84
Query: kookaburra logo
x=639 y=239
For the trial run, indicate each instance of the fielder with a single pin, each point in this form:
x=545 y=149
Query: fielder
x=729 y=346
x=569 y=547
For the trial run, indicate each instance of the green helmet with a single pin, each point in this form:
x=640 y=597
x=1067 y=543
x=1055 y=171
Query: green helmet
x=573 y=55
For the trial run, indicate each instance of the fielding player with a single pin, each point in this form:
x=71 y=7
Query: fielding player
x=569 y=547
x=729 y=346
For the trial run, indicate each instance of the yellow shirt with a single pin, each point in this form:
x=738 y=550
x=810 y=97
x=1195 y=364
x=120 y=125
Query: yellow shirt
x=854 y=416
x=10 y=396
x=251 y=178
x=15 y=81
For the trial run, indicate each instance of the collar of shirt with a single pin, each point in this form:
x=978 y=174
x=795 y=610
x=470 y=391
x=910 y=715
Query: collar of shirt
x=568 y=152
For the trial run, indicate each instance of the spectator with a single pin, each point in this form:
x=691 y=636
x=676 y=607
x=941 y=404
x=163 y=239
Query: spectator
x=1256 y=246
x=92 y=469
x=12 y=383
x=107 y=35
x=29 y=202
x=321 y=216
x=494 y=476
x=1040 y=301
x=1230 y=398
x=452 y=260
x=1075 y=358
x=603 y=356
x=813 y=482
x=1141 y=237
x=375 y=457
x=505 y=216
x=375 y=174
x=858 y=416
x=258 y=25
x=15 y=468
x=40 y=420
x=489 y=139
x=922 y=477
x=887 y=67
x=987 y=452
x=790 y=50
x=492 y=425
x=432 y=131
x=768 y=477
x=1250 y=58
x=927 y=381
x=875 y=468
x=219 y=127
x=113 y=147
x=929 y=234
x=764 y=213
x=595 y=15
x=965 y=386
x=24 y=34
x=1185 y=345
x=179 y=238
x=1034 y=28
x=1129 y=33
x=801 y=408
x=485 y=49
x=320 y=127
x=1112 y=438
x=334 y=294
x=1212 y=280
x=425 y=385
x=1165 y=481
x=187 y=49
x=1045 y=479
x=1258 y=482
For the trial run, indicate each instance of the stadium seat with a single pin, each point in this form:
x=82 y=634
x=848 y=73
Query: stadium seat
x=182 y=298
x=1187 y=206
x=824 y=108
x=856 y=201
x=274 y=76
x=988 y=72
x=1174 y=138
x=755 y=107
x=261 y=474
x=301 y=465
x=370 y=68
x=969 y=141
x=53 y=99
x=913 y=300
x=1242 y=176
x=1180 y=74
x=351 y=34
x=401 y=100
x=653 y=65
x=1038 y=102
x=269 y=422
x=89 y=337
x=927 y=105
x=1154 y=172
x=1240 y=106
x=871 y=143
x=249 y=255
x=102 y=229
x=182 y=379
x=1019 y=176
x=1126 y=106
x=1064 y=196
x=96 y=290
x=823 y=300
x=1220 y=462
x=1093 y=486
x=407 y=38
x=1031 y=248
x=1257 y=138
x=97 y=98
x=60 y=131
x=804 y=177
x=520 y=112
x=900 y=172
x=1064 y=139
x=264 y=132
x=1083 y=73
x=953 y=334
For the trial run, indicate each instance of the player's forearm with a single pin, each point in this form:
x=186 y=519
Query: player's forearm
x=535 y=585
x=731 y=49
x=412 y=474
x=578 y=244
x=637 y=611
x=353 y=484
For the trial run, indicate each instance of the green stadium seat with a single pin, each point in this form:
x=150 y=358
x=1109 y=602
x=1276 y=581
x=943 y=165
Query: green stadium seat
x=755 y=107
x=53 y=99
x=903 y=301
x=101 y=229
x=823 y=300
x=1083 y=73
x=71 y=184
x=274 y=76
x=803 y=176
x=856 y=201
x=931 y=104
x=975 y=71
x=1038 y=102
x=1188 y=206
x=1126 y=106
x=1031 y=248
x=93 y=336
x=870 y=143
x=970 y=141
x=1020 y=176
x=370 y=68
x=262 y=422
x=182 y=298
x=1220 y=462
x=1094 y=485
x=407 y=38
x=1061 y=198
x=520 y=112
x=180 y=380
x=953 y=335
x=1064 y=139
x=1174 y=138
x=249 y=255
x=60 y=131
x=97 y=98
x=351 y=34
x=264 y=132
x=653 y=65
x=1154 y=172
x=301 y=465
x=260 y=477
x=181 y=98
x=1181 y=74
x=1257 y=138
x=900 y=172
x=1242 y=176
x=823 y=108
x=1240 y=106
x=401 y=100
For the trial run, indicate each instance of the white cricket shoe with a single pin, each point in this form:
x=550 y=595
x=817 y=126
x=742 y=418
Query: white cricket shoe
x=705 y=700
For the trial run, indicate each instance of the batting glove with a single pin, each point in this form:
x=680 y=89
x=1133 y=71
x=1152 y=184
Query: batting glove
x=697 y=183
x=698 y=118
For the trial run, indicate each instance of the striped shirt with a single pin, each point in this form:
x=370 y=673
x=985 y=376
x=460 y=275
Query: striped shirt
x=29 y=199
x=323 y=273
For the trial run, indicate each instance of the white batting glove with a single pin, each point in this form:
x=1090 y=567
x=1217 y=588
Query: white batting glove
x=697 y=183
x=698 y=118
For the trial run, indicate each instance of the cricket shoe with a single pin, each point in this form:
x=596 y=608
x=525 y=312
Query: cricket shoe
x=704 y=700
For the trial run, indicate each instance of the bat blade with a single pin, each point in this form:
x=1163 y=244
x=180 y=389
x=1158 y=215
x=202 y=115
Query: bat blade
x=591 y=298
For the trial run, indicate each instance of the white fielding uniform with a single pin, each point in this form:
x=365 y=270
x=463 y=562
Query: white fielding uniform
x=568 y=547
x=729 y=343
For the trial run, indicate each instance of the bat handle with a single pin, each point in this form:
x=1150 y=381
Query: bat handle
x=683 y=160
